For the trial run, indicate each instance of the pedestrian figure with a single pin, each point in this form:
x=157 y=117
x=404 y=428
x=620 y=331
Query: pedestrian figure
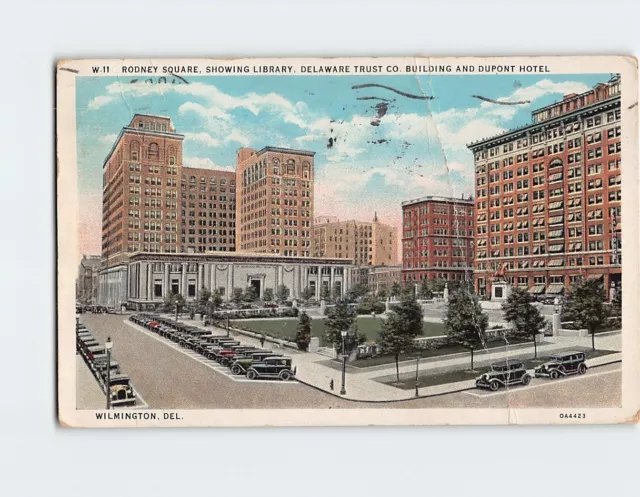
x=262 y=339
x=331 y=384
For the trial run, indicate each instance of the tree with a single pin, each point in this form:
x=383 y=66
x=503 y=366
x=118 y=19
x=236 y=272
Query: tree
x=336 y=291
x=267 y=295
x=171 y=300
x=215 y=301
x=409 y=288
x=382 y=292
x=303 y=334
x=237 y=296
x=250 y=294
x=525 y=317
x=587 y=308
x=425 y=290
x=437 y=285
x=307 y=294
x=396 y=289
x=402 y=325
x=282 y=294
x=464 y=320
x=340 y=319
x=203 y=297
x=324 y=292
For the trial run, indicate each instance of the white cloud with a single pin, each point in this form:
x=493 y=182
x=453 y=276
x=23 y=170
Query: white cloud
x=205 y=163
x=109 y=138
x=202 y=137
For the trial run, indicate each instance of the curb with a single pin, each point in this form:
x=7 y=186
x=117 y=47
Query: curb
x=381 y=401
x=419 y=396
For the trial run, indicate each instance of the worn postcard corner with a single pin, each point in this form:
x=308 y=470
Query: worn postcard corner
x=347 y=241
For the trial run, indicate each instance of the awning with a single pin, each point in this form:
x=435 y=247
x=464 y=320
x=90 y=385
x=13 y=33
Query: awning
x=536 y=289
x=555 y=288
x=556 y=263
x=594 y=276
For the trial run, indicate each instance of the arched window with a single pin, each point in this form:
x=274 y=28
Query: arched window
x=135 y=151
x=203 y=179
x=153 y=150
x=213 y=181
x=223 y=181
x=291 y=166
x=192 y=179
x=172 y=156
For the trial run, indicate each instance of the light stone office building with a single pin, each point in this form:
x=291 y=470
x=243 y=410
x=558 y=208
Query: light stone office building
x=153 y=276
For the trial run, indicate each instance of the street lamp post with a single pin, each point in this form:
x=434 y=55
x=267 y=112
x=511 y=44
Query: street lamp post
x=108 y=344
x=343 y=390
x=228 y=324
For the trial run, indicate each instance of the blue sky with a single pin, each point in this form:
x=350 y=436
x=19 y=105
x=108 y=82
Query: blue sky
x=417 y=148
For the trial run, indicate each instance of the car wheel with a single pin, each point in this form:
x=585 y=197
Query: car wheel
x=236 y=370
x=251 y=375
x=554 y=374
x=582 y=369
x=285 y=375
x=494 y=385
x=526 y=379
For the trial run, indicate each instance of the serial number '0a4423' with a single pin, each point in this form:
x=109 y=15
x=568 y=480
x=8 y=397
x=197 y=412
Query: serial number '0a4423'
x=578 y=415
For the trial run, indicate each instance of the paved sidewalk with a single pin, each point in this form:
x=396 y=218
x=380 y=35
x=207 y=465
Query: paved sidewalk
x=89 y=395
x=317 y=370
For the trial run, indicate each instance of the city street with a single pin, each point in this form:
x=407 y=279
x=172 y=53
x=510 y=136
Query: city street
x=169 y=378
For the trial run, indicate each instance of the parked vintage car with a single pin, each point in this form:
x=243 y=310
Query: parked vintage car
x=121 y=391
x=225 y=356
x=241 y=364
x=271 y=367
x=502 y=374
x=212 y=341
x=562 y=364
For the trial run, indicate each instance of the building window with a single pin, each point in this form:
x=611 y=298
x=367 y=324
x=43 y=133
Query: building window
x=192 y=290
x=157 y=290
x=153 y=150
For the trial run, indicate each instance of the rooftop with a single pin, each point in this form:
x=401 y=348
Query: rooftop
x=436 y=198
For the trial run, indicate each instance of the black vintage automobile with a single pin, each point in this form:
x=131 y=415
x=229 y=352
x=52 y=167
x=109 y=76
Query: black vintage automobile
x=504 y=374
x=562 y=364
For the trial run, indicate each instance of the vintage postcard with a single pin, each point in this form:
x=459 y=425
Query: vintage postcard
x=357 y=241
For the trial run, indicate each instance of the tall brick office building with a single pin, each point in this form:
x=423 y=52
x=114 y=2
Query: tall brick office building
x=275 y=206
x=151 y=203
x=548 y=196
x=437 y=238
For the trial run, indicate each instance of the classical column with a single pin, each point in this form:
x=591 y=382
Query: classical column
x=144 y=274
x=332 y=280
x=199 y=278
x=150 y=282
x=229 y=281
x=214 y=281
x=318 y=282
x=183 y=285
x=280 y=279
x=206 y=282
x=166 y=285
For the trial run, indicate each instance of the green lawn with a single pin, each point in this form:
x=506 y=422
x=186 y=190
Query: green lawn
x=408 y=381
x=286 y=327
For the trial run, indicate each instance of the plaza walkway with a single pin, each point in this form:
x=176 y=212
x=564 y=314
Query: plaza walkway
x=318 y=370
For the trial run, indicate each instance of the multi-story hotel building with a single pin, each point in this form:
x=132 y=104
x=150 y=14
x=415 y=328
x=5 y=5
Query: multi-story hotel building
x=365 y=243
x=548 y=196
x=437 y=238
x=275 y=201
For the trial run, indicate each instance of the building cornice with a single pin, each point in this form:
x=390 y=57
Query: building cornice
x=524 y=131
x=232 y=257
x=134 y=131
